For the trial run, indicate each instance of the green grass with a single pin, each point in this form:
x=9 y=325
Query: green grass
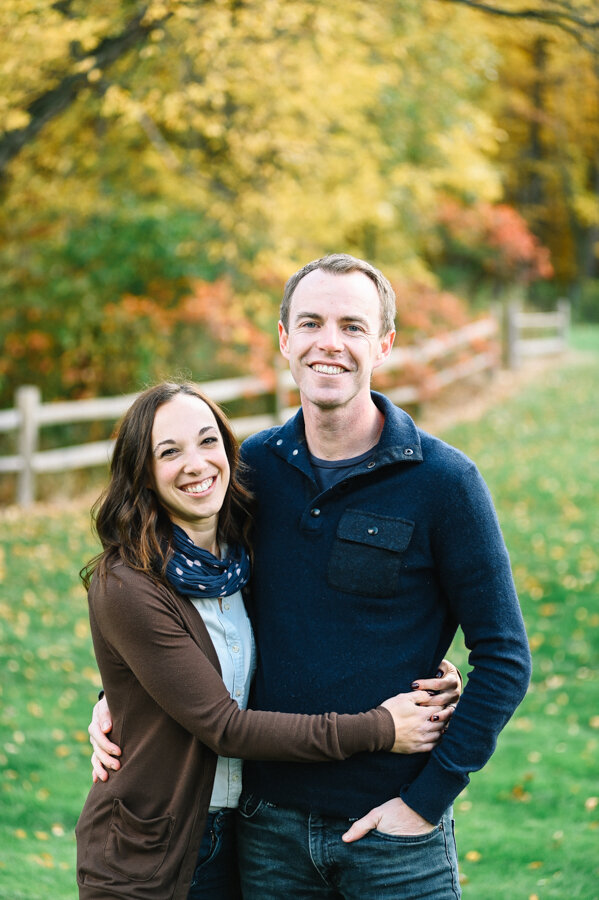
x=528 y=825
x=49 y=682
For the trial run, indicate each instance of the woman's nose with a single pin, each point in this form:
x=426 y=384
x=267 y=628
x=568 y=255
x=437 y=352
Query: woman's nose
x=194 y=461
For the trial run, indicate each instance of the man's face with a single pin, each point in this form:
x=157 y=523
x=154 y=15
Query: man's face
x=334 y=341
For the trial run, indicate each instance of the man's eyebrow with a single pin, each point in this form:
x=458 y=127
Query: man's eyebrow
x=171 y=441
x=306 y=314
x=360 y=320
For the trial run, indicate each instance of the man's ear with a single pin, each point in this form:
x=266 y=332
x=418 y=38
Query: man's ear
x=283 y=341
x=385 y=346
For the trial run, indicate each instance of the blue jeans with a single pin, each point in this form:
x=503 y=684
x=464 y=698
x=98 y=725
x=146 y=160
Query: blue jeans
x=290 y=853
x=217 y=874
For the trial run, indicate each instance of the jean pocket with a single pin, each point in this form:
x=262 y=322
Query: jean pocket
x=250 y=805
x=412 y=839
x=135 y=847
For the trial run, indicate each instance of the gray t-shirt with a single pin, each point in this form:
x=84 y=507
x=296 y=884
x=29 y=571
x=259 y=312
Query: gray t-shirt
x=330 y=471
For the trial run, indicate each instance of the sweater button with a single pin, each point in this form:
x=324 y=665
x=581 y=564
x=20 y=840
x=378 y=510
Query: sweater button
x=371 y=464
x=408 y=452
x=315 y=512
x=373 y=530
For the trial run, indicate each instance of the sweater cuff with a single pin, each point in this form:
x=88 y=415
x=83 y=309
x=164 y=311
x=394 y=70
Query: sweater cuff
x=433 y=791
x=366 y=732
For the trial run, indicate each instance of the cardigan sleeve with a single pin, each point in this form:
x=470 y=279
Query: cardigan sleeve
x=141 y=627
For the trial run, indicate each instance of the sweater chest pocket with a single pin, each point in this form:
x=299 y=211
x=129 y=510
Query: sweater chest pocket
x=367 y=553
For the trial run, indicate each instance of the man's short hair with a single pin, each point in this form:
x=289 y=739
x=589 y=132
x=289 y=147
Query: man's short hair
x=344 y=264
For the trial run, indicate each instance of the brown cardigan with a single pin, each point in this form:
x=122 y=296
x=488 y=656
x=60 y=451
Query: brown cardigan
x=139 y=832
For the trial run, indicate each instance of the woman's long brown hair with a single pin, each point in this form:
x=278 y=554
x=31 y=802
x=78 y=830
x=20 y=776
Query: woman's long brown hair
x=129 y=519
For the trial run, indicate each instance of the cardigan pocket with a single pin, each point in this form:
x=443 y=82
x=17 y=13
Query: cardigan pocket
x=136 y=847
x=367 y=553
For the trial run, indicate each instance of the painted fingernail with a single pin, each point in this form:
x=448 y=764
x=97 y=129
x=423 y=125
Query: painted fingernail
x=439 y=673
x=434 y=718
x=415 y=685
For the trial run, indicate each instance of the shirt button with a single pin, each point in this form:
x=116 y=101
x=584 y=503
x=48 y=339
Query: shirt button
x=408 y=452
x=315 y=512
x=227 y=606
x=235 y=648
x=373 y=530
x=238 y=693
x=235 y=777
x=371 y=464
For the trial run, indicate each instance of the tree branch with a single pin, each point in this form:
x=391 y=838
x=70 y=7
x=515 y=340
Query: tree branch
x=566 y=20
x=59 y=98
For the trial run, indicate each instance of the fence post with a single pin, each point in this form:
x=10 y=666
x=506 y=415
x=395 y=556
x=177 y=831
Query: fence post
x=280 y=389
x=27 y=401
x=497 y=311
x=512 y=335
x=564 y=309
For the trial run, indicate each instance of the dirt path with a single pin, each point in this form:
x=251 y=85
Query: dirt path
x=468 y=402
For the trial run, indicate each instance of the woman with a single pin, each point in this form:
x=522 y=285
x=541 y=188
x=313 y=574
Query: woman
x=168 y=620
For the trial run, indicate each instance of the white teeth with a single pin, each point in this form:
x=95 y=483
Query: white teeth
x=198 y=488
x=328 y=370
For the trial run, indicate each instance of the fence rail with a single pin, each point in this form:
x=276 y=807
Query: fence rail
x=550 y=331
x=31 y=414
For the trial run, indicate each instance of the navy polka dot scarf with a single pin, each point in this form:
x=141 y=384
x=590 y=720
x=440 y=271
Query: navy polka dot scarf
x=195 y=572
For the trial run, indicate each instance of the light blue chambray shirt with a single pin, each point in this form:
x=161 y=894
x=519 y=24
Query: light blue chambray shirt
x=233 y=639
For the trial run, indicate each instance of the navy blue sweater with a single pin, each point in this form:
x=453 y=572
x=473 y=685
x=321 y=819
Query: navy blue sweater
x=359 y=589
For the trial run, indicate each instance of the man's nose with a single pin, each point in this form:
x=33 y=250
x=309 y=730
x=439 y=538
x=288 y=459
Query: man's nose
x=330 y=338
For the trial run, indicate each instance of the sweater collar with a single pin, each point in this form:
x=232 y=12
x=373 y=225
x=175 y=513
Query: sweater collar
x=399 y=440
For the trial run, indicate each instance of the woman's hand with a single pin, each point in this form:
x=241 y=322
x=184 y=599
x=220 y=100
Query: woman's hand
x=103 y=757
x=444 y=689
x=418 y=728
x=422 y=717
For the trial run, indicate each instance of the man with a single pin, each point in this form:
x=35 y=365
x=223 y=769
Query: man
x=374 y=541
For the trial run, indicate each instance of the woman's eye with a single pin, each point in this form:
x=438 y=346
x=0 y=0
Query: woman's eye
x=169 y=452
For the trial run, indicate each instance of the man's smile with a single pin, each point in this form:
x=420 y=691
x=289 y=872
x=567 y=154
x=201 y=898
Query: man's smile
x=327 y=369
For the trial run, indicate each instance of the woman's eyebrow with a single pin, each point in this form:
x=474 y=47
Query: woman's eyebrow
x=173 y=441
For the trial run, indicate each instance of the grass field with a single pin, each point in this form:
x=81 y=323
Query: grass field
x=527 y=827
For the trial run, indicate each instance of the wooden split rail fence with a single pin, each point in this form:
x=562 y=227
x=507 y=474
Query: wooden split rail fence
x=30 y=414
x=531 y=334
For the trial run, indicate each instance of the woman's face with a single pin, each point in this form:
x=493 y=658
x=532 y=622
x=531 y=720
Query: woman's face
x=190 y=466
